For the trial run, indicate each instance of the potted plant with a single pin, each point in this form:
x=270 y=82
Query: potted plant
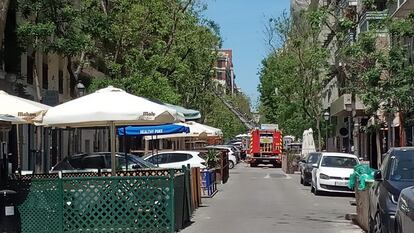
x=212 y=159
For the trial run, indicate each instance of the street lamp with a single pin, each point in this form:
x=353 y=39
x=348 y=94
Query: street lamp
x=326 y=116
x=81 y=88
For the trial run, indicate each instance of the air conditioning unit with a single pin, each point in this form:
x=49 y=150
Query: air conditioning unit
x=352 y=2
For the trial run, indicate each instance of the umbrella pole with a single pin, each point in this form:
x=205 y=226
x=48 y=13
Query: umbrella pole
x=19 y=159
x=125 y=150
x=113 y=155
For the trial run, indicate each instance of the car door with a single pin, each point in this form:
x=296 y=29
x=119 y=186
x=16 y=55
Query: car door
x=408 y=224
x=375 y=188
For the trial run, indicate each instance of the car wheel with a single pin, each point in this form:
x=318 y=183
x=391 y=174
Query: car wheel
x=231 y=164
x=253 y=165
x=315 y=190
x=312 y=187
x=397 y=227
x=375 y=225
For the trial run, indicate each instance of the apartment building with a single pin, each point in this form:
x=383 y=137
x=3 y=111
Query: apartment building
x=347 y=114
x=224 y=75
x=52 y=87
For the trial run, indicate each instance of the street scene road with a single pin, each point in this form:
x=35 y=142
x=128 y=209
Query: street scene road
x=264 y=199
x=207 y=116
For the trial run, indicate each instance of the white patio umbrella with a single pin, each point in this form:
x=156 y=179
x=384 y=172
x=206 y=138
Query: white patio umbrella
x=110 y=107
x=21 y=108
x=20 y=111
x=308 y=144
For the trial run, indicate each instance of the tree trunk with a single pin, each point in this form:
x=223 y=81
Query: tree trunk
x=403 y=140
x=38 y=135
x=318 y=128
x=378 y=144
x=389 y=135
x=38 y=89
x=4 y=8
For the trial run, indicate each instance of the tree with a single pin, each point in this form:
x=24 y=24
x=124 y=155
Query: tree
x=54 y=26
x=4 y=8
x=158 y=49
x=292 y=77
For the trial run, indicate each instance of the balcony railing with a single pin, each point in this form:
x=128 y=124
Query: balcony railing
x=368 y=17
x=400 y=8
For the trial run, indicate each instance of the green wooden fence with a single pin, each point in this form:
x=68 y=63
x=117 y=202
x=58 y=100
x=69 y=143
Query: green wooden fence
x=100 y=204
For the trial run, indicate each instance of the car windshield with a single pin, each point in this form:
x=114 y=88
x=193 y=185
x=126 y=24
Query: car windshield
x=402 y=166
x=339 y=161
x=313 y=158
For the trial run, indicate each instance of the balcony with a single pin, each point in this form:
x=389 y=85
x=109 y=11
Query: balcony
x=369 y=18
x=400 y=8
x=339 y=106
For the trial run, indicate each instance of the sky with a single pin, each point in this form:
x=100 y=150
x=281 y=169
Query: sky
x=242 y=26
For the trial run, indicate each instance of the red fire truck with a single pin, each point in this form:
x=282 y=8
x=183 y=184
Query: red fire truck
x=265 y=147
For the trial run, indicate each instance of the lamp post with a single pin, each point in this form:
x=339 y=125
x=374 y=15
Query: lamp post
x=326 y=116
x=81 y=89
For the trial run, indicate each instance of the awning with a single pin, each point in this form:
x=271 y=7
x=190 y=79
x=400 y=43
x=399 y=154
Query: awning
x=153 y=130
x=196 y=130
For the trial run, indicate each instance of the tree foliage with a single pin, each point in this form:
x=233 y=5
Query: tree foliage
x=291 y=78
x=158 y=49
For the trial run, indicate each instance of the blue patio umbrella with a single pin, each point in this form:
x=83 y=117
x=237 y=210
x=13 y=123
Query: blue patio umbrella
x=153 y=130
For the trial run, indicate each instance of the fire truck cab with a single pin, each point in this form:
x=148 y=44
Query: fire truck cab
x=265 y=147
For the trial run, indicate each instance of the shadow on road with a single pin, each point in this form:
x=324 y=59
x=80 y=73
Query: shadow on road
x=329 y=194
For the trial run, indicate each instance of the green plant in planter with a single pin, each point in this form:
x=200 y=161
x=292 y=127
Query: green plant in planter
x=212 y=158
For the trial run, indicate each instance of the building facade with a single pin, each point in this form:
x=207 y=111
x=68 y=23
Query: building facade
x=39 y=147
x=349 y=119
x=224 y=76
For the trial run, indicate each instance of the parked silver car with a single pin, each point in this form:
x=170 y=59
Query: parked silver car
x=404 y=217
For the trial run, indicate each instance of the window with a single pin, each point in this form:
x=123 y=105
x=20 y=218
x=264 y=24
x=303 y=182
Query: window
x=338 y=161
x=176 y=157
x=96 y=162
x=29 y=67
x=313 y=158
x=45 y=78
x=402 y=166
x=159 y=159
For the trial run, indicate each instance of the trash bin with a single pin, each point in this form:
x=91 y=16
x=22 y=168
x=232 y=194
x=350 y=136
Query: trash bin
x=8 y=212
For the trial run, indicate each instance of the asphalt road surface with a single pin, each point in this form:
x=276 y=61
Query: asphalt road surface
x=265 y=200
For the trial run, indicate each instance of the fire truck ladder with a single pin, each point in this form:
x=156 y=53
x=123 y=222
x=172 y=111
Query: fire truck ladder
x=249 y=123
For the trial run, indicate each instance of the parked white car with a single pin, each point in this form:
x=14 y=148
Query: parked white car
x=176 y=159
x=331 y=172
x=230 y=153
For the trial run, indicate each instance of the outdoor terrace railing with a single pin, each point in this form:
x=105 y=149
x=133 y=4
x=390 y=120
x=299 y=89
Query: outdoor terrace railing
x=137 y=201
